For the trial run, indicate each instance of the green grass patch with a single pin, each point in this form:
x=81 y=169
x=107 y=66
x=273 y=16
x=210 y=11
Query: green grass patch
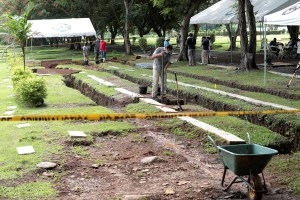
x=287 y=169
x=141 y=107
x=34 y=190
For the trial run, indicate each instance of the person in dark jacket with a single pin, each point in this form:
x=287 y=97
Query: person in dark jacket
x=96 y=45
x=191 y=44
x=205 y=50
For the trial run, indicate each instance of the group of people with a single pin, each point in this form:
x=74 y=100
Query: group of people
x=162 y=56
x=99 y=48
x=293 y=43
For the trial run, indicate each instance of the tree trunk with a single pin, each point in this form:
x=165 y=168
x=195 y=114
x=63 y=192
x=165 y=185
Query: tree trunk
x=126 y=31
x=252 y=33
x=192 y=7
x=245 y=56
x=24 y=60
x=232 y=38
x=293 y=31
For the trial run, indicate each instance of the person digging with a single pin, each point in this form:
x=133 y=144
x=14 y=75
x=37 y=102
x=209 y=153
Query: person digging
x=161 y=60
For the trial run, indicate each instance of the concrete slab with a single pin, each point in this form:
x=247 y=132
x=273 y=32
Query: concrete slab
x=77 y=134
x=9 y=86
x=25 y=150
x=23 y=125
x=101 y=81
x=230 y=138
x=144 y=65
x=129 y=93
x=114 y=67
x=158 y=105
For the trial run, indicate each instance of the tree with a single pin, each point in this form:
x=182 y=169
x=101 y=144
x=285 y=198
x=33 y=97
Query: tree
x=128 y=5
x=183 y=10
x=247 y=50
x=18 y=28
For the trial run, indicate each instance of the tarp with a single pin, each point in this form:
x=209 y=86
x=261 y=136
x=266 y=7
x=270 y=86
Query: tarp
x=224 y=12
x=286 y=16
x=73 y=27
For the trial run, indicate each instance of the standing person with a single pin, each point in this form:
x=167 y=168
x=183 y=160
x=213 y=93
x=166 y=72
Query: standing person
x=85 y=52
x=167 y=41
x=205 y=49
x=161 y=56
x=103 y=49
x=191 y=42
x=96 y=45
x=209 y=48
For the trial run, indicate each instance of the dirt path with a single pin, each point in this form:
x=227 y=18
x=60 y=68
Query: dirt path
x=183 y=169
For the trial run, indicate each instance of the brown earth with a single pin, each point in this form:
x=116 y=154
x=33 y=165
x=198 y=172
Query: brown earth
x=184 y=170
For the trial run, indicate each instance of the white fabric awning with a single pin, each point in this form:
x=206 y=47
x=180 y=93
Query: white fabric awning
x=224 y=12
x=286 y=16
x=74 y=27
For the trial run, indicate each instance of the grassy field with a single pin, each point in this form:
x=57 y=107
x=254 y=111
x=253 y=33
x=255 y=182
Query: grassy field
x=46 y=137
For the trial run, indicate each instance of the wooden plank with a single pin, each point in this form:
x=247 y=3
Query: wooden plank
x=127 y=92
x=230 y=138
x=158 y=105
x=101 y=81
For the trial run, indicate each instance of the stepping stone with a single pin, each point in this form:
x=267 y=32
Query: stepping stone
x=144 y=65
x=11 y=107
x=46 y=165
x=9 y=112
x=23 y=125
x=77 y=134
x=25 y=150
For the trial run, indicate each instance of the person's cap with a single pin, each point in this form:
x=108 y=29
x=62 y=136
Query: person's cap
x=167 y=38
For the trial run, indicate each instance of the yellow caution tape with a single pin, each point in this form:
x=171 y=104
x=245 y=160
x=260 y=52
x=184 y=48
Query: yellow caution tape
x=116 y=116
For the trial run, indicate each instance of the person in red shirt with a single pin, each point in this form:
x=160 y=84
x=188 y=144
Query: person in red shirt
x=103 y=49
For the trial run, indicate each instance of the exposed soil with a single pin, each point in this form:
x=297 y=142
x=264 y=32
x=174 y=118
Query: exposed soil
x=183 y=170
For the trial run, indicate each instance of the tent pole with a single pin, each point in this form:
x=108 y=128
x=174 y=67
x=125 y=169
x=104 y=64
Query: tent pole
x=231 y=42
x=265 y=54
x=206 y=29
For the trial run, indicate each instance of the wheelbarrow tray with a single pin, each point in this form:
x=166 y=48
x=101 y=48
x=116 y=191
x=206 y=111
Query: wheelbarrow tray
x=246 y=159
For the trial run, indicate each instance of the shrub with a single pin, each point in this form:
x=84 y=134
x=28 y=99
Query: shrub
x=31 y=91
x=160 y=42
x=143 y=44
x=19 y=74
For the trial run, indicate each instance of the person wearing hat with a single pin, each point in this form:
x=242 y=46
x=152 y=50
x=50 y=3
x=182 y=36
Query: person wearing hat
x=167 y=41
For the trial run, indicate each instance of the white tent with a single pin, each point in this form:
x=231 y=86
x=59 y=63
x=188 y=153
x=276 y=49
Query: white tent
x=290 y=15
x=224 y=12
x=74 y=27
x=287 y=16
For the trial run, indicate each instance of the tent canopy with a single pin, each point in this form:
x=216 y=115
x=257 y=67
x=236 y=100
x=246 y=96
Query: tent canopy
x=224 y=12
x=287 y=16
x=74 y=27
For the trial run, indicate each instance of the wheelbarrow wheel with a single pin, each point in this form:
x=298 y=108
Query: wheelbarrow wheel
x=257 y=185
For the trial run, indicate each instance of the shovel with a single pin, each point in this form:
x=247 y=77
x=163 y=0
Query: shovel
x=178 y=103
x=294 y=75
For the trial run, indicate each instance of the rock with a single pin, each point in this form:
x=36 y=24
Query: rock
x=169 y=191
x=48 y=174
x=96 y=166
x=135 y=197
x=182 y=183
x=46 y=165
x=149 y=159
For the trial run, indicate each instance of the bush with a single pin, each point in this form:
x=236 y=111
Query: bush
x=19 y=74
x=160 y=42
x=143 y=44
x=31 y=91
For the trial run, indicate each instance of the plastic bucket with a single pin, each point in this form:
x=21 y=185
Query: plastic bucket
x=143 y=89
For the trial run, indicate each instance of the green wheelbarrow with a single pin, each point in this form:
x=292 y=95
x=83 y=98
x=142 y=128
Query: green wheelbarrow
x=246 y=161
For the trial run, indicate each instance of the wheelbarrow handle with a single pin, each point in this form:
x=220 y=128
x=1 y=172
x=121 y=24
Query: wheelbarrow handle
x=249 y=138
x=214 y=143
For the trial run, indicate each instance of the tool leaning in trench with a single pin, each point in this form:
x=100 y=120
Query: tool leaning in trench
x=178 y=103
x=294 y=75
